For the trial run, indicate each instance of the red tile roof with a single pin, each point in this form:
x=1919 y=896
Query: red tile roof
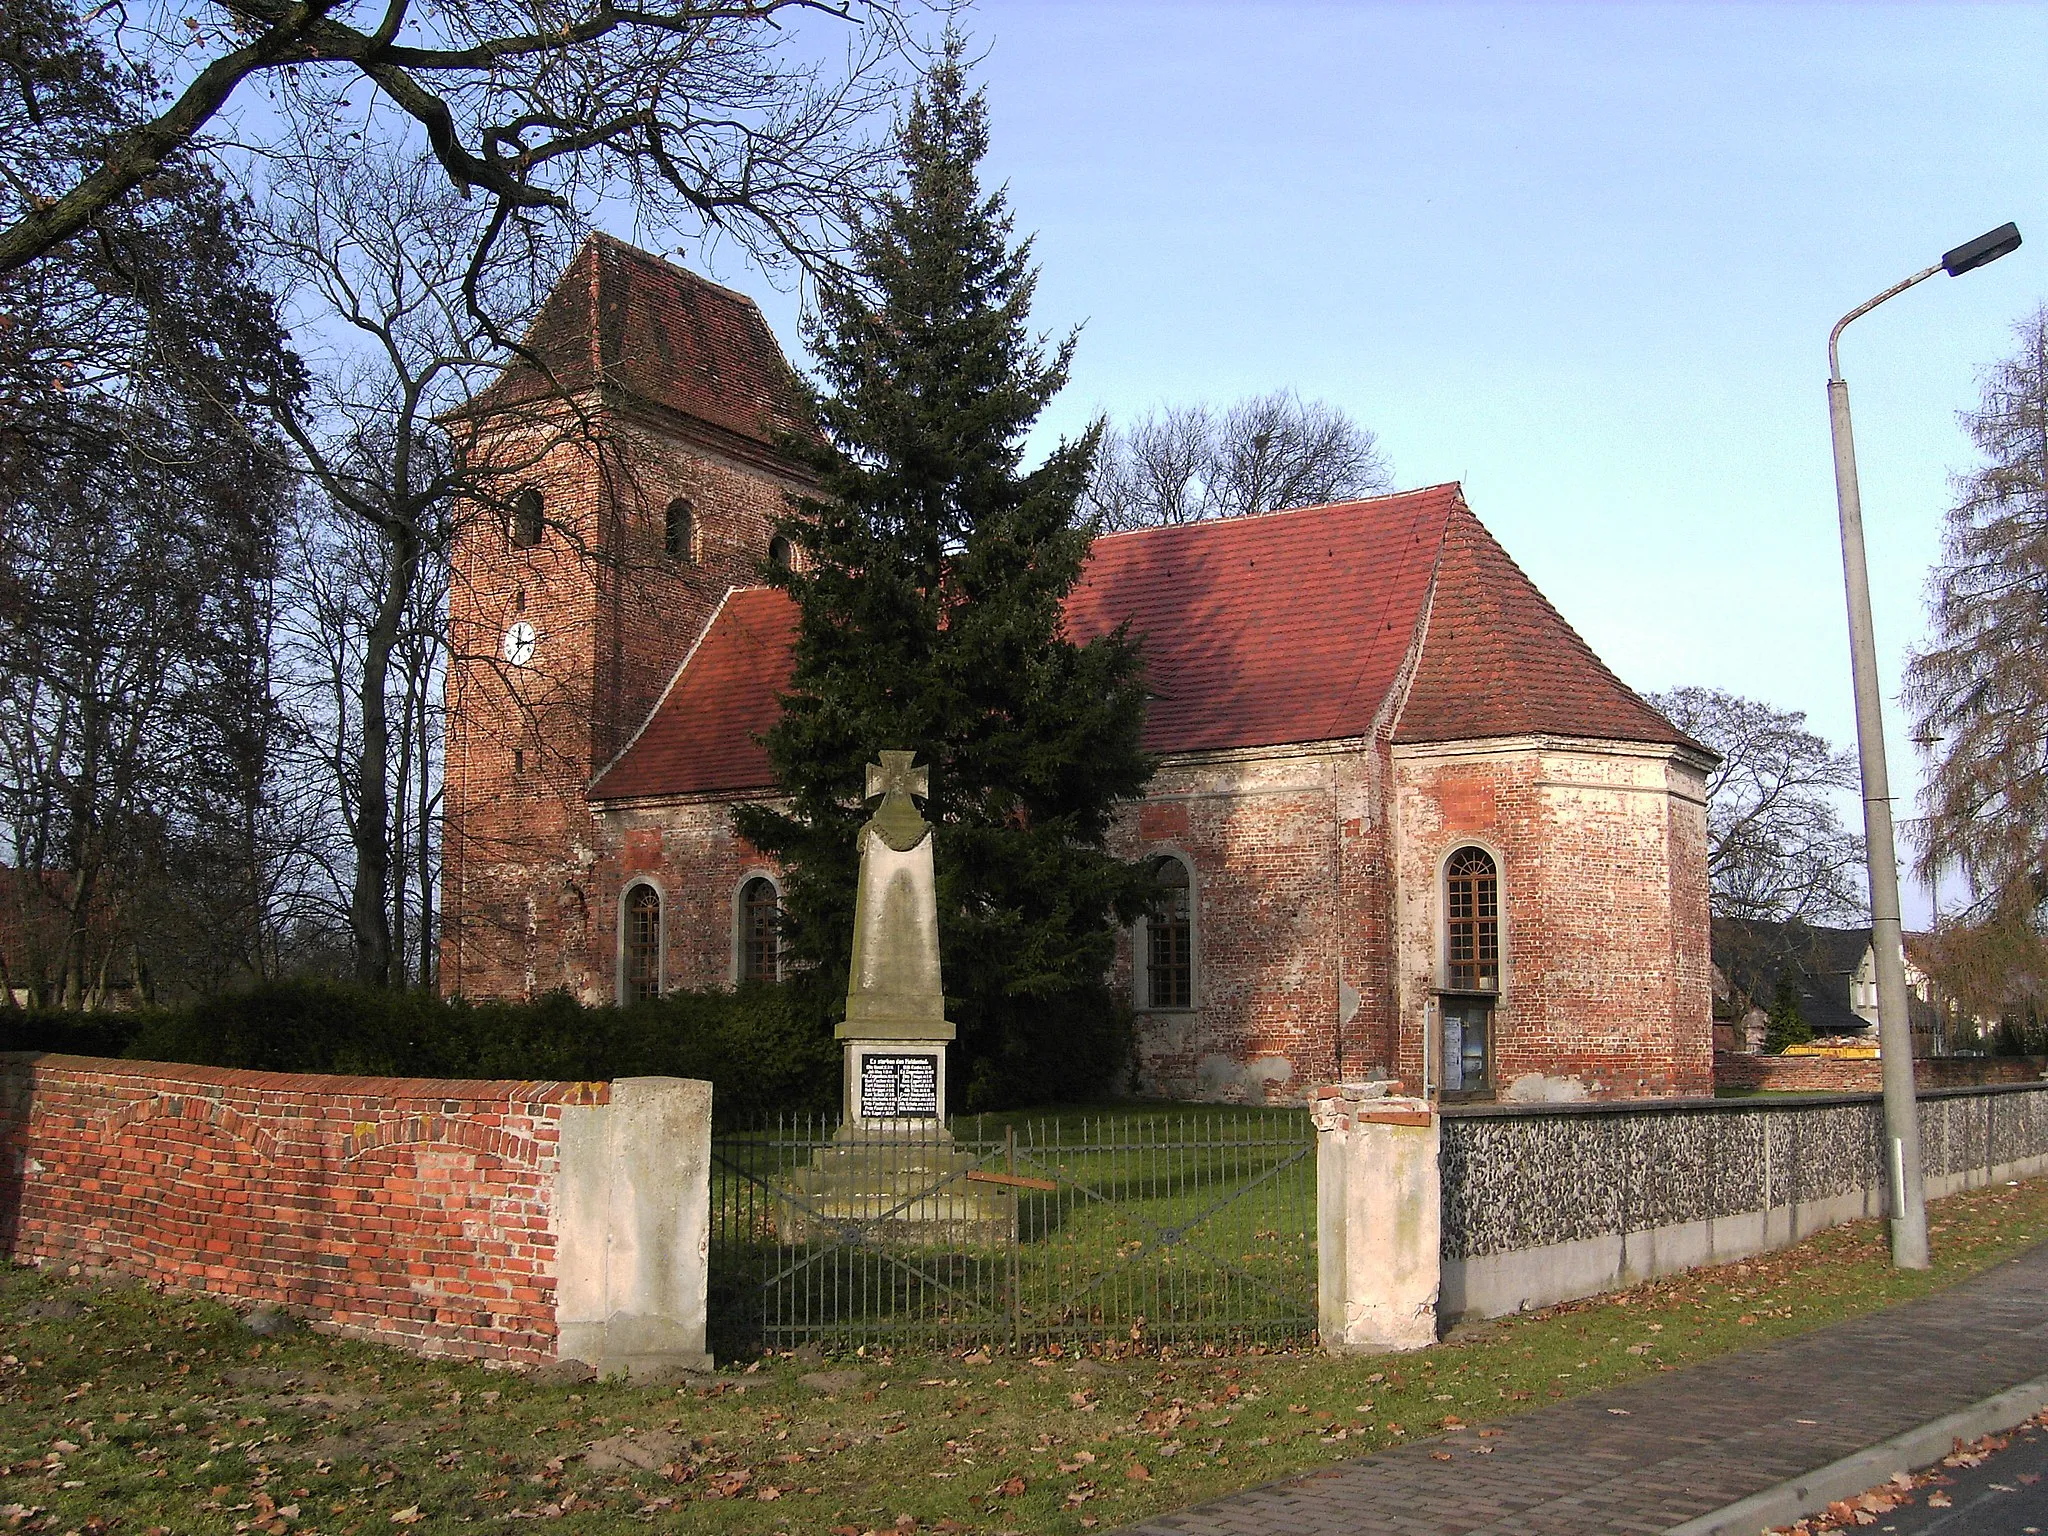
x=625 y=319
x=1498 y=660
x=1289 y=627
x=1259 y=630
x=703 y=733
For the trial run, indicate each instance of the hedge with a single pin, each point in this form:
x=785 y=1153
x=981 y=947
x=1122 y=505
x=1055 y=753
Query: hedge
x=763 y=1048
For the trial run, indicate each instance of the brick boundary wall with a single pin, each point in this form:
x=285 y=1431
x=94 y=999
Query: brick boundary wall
x=458 y=1218
x=1821 y=1074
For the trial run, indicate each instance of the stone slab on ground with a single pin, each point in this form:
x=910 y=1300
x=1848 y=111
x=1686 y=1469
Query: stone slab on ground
x=1659 y=1452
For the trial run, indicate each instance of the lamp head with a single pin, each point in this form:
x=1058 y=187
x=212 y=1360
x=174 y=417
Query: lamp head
x=2002 y=241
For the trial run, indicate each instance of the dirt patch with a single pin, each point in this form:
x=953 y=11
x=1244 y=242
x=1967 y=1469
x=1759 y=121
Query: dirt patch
x=648 y=1451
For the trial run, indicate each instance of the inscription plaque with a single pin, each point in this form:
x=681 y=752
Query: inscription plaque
x=899 y=1087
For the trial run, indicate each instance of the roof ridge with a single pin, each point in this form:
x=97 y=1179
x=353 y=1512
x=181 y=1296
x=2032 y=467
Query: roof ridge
x=655 y=258
x=1454 y=486
x=1418 y=636
x=1506 y=657
x=1404 y=676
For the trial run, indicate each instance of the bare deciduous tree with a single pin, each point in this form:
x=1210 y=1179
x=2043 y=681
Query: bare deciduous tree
x=1182 y=464
x=374 y=251
x=139 y=499
x=705 y=114
x=1776 y=846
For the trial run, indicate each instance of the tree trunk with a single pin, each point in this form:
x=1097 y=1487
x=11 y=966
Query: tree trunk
x=369 y=910
x=423 y=835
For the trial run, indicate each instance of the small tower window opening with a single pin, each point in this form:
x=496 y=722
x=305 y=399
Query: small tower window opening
x=1472 y=921
x=528 y=520
x=679 y=536
x=760 y=935
x=779 y=553
x=640 y=949
x=1170 y=938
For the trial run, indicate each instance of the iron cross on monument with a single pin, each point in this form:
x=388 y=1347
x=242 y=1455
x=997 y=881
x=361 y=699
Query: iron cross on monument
x=896 y=779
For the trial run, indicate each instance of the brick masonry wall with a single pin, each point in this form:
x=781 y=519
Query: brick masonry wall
x=689 y=852
x=1820 y=1074
x=523 y=908
x=411 y=1211
x=1601 y=849
x=1291 y=923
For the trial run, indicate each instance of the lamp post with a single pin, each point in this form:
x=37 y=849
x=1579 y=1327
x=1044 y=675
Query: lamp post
x=1894 y=1033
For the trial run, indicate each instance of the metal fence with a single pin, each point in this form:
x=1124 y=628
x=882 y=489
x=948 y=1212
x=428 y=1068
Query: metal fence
x=1143 y=1226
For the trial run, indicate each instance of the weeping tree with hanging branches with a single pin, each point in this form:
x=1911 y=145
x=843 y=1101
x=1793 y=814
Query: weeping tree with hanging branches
x=1980 y=691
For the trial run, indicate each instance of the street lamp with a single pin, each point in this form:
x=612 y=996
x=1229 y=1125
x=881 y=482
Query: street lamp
x=1894 y=1033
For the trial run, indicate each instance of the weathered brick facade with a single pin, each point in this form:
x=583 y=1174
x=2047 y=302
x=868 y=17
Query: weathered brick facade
x=414 y=1212
x=529 y=885
x=1344 y=697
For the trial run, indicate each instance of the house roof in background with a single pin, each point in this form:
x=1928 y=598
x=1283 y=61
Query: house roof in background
x=1753 y=955
x=1260 y=631
x=625 y=319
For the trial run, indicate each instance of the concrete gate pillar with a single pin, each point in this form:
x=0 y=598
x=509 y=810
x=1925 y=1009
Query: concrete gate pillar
x=1379 y=1208
x=633 y=1228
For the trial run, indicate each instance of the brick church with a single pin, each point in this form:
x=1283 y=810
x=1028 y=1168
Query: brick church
x=1405 y=821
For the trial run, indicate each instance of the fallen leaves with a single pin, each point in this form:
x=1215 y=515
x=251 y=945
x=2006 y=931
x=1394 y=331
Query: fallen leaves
x=410 y=1515
x=727 y=1485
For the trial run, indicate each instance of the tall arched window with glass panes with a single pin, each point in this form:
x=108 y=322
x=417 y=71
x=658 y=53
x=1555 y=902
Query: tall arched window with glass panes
x=640 y=944
x=760 y=931
x=1471 y=972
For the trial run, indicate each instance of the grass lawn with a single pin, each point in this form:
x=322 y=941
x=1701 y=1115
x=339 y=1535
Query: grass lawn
x=1180 y=1221
x=123 y=1410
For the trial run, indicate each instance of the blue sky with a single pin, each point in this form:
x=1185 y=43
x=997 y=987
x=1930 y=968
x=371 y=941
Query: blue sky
x=1583 y=259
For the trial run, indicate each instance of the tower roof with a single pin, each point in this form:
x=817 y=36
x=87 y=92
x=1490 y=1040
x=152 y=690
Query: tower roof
x=623 y=319
x=1290 y=627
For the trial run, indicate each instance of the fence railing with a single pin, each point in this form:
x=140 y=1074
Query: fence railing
x=1142 y=1226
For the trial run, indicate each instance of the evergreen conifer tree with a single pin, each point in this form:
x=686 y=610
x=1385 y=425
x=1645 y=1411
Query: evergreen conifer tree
x=929 y=585
x=1784 y=1025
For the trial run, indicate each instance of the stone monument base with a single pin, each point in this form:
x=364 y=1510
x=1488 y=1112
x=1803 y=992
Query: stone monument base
x=901 y=1188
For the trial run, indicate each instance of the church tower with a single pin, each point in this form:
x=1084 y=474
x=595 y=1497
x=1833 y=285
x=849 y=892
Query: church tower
x=633 y=480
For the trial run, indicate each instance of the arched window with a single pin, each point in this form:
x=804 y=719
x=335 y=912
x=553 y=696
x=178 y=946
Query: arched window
x=524 y=528
x=779 y=553
x=759 y=917
x=1472 y=922
x=679 y=537
x=1169 y=957
x=640 y=944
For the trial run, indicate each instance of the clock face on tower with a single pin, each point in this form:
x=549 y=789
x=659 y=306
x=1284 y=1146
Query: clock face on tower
x=517 y=647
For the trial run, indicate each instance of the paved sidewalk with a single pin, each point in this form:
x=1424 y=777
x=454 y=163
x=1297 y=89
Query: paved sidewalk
x=1685 y=1442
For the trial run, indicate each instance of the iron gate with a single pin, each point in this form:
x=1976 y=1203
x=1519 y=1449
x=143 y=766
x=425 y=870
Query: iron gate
x=1134 y=1225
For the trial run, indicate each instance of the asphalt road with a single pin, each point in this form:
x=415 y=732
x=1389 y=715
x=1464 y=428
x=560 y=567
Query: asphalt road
x=2006 y=1496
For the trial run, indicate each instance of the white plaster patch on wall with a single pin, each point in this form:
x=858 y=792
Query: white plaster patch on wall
x=1536 y=1088
x=1225 y=1077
